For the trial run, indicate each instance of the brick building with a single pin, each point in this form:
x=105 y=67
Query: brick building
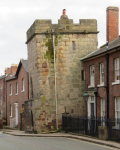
x=17 y=93
x=56 y=86
x=102 y=71
x=8 y=72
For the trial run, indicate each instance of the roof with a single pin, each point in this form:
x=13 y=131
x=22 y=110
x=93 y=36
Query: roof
x=25 y=65
x=112 y=45
x=12 y=78
x=2 y=77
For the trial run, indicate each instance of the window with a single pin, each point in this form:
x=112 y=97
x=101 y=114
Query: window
x=73 y=45
x=102 y=107
x=10 y=110
x=23 y=89
x=116 y=63
x=83 y=75
x=10 y=89
x=92 y=75
x=117 y=107
x=101 y=73
x=16 y=88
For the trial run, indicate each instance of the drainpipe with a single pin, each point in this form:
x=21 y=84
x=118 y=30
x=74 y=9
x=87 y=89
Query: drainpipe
x=55 y=78
x=107 y=81
x=6 y=102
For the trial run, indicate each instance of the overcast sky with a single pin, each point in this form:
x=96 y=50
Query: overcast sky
x=16 y=16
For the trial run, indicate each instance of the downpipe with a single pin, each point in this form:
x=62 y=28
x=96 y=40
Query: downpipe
x=55 y=79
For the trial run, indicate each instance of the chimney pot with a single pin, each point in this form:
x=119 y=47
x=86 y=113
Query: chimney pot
x=64 y=11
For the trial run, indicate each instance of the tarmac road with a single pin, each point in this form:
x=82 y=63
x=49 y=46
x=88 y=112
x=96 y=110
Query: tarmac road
x=9 y=142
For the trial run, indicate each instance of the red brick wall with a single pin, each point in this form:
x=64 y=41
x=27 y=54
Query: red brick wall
x=114 y=90
x=112 y=23
x=20 y=98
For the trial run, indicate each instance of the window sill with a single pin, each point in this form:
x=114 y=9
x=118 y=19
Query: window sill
x=116 y=82
x=116 y=128
x=91 y=86
x=22 y=91
x=10 y=95
x=10 y=116
x=16 y=94
x=102 y=84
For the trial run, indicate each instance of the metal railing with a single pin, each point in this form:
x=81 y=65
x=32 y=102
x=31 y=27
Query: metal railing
x=89 y=126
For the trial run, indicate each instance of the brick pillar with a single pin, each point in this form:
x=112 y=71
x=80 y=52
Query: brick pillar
x=112 y=23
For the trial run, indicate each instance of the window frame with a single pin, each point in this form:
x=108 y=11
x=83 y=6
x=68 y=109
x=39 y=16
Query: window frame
x=116 y=69
x=102 y=105
x=10 y=89
x=23 y=85
x=101 y=73
x=10 y=110
x=16 y=88
x=92 y=76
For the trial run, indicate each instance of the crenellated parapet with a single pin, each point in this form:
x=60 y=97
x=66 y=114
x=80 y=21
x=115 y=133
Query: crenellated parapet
x=64 y=25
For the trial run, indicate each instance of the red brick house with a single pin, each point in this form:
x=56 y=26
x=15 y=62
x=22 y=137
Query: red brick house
x=8 y=72
x=17 y=93
x=102 y=73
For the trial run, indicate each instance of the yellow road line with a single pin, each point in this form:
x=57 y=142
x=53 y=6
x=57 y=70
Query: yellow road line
x=94 y=144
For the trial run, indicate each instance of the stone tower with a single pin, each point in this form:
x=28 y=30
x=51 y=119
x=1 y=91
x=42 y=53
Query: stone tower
x=56 y=86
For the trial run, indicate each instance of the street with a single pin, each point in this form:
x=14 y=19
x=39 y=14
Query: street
x=9 y=142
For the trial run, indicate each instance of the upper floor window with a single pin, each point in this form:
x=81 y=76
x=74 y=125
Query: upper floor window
x=10 y=89
x=16 y=88
x=23 y=88
x=116 y=63
x=73 y=45
x=101 y=73
x=92 y=75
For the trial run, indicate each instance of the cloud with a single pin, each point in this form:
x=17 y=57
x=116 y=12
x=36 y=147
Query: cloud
x=16 y=16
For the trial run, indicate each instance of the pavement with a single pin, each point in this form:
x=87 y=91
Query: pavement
x=65 y=135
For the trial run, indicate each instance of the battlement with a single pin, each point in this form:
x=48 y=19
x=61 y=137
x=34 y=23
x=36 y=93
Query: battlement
x=64 y=25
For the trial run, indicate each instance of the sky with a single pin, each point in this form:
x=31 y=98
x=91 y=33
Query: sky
x=16 y=16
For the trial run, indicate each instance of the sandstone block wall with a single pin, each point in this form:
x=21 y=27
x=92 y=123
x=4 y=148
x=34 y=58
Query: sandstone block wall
x=70 y=87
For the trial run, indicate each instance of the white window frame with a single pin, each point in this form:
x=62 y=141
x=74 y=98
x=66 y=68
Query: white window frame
x=16 y=88
x=117 y=106
x=116 y=66
x=10 y=89
x=117 y=109
x=10 y=110
x=92 y=75
x=23 y=85
x=101 y=73
x=102 y=107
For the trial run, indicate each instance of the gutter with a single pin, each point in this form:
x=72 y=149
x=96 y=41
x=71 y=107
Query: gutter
x=82 y=59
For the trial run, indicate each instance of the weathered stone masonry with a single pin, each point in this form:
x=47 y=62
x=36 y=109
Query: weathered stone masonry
x=72 y=42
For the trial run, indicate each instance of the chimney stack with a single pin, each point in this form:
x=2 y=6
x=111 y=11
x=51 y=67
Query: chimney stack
x=112 y=23
x=64 y=11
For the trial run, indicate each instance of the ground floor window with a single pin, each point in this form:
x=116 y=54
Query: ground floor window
x=102 y=107
x=117 y=107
